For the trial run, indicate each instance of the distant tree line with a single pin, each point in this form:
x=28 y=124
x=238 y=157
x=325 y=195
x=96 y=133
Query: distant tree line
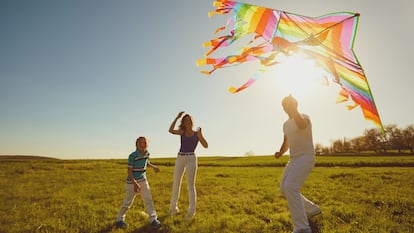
x=374 y=140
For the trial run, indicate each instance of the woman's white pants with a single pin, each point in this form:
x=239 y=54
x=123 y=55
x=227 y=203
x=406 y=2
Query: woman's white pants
x=187 y=163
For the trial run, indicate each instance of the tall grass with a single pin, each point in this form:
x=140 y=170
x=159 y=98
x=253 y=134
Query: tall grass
x=234 y=195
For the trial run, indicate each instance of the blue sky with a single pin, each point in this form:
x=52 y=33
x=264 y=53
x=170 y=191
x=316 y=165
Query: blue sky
x=83 y=79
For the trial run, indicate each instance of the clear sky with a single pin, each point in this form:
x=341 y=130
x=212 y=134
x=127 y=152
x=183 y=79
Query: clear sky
x=83 y=79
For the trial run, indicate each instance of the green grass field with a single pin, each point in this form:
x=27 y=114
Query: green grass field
x=356 y=194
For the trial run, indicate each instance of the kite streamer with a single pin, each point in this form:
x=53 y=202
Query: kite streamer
x=327 y=39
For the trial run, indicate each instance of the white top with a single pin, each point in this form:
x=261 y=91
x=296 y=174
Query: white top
x=300 y=140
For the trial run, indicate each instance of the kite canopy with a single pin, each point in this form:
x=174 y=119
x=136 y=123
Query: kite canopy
x=327 y=39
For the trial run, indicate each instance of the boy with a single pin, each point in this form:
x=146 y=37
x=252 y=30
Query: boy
x=137 y=182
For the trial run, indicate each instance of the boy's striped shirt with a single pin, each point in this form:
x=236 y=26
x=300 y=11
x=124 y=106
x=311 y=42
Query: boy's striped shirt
x=138 y=162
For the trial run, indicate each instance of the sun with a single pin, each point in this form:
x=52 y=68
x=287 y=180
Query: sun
x=297 y=75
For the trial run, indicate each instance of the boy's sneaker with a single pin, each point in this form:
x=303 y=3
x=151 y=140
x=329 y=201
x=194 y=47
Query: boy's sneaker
x=121 y=224
x=315 y=212
x=156 y=224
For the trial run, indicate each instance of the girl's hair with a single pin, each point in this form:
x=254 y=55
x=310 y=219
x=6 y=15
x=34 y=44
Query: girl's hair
x=140 y=138
x=182 y=126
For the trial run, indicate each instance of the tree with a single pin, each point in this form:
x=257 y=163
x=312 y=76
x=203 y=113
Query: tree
x=347 y=147
x=376 y=140
x=358 y=144
x=394 y=136
x=373 y=139
x=338 y=146
x=249 y=153
x=407 y=137
x=318 y=148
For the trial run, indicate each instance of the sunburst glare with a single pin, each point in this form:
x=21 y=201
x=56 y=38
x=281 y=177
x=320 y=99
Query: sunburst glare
x=298 y=75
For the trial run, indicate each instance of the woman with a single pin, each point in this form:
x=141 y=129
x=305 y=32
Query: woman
x=186 y=161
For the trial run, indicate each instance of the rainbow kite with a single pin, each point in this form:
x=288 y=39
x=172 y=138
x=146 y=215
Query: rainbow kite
x=327 y=39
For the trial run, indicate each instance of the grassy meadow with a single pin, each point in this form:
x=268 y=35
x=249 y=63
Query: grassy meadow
x=234 y=194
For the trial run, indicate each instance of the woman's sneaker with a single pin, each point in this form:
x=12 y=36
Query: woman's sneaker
x=174 y=211
x=190 y=216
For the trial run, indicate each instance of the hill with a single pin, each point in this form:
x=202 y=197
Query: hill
x=24 y=158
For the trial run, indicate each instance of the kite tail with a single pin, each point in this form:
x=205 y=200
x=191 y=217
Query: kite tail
x=249 y=82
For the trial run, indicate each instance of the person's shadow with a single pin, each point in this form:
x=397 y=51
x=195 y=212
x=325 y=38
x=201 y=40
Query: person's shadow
x=165 y=228
x=149 y=229
x=107 y=229
x=144 y=229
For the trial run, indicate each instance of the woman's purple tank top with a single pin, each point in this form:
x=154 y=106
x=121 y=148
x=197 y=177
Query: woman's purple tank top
x=188 y=144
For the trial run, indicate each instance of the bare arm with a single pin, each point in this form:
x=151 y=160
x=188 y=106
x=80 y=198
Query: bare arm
x=156 y=169
x=201 y=138
x=300 y=121
x=172 y=126
x=137 y=187
x=283 y=148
